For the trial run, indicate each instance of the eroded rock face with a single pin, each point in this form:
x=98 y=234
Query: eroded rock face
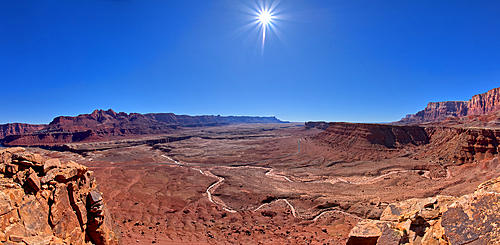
x=363 y=135
x=470 y=219
x=439 y=111
x=44 y=201
x=484 y=103
x=453 y=144
x=18 y=128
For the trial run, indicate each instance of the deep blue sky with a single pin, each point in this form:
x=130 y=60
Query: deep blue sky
x=358 y=61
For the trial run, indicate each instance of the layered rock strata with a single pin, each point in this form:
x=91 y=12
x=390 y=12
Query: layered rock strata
x=364 y=135
x=439 y=111
x=469 y=219
x=45 y=201
x=18 y=128
x=451 y=144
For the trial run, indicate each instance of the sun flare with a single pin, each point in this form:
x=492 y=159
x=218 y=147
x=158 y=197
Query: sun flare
x=265 y=17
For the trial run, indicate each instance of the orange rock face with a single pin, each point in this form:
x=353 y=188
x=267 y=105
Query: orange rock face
x=36 y=206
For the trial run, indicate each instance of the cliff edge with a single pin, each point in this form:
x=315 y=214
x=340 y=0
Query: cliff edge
x=45 y=201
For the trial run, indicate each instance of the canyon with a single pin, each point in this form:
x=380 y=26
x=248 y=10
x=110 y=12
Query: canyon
x=431 y=178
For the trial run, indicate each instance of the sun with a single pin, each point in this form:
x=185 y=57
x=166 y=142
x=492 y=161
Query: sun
x=265 y=17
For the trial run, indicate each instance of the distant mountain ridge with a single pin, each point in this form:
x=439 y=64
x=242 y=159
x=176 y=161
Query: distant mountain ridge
x=439 y=111
x=19 y=128
x=102 y=125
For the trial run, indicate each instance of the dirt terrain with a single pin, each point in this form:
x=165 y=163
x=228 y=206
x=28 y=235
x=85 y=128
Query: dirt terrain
x=263 y=184
x=176 y=179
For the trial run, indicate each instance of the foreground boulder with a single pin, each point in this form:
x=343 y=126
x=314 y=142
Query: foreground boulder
x=44 y=201
x=469 y=219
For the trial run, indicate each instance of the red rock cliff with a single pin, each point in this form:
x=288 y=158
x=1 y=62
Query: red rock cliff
x=374 y=141
x=484 y=103
x=18 y=128
x=364 y=135
x=440 y=111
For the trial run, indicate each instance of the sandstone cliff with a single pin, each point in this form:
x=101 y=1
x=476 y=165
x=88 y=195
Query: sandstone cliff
x=103 y=125
x=18 y=128
x=364 y=135
x=44 y=201
x=484 y=103
x=439 y=111
x=453 y=145
x=469 y=219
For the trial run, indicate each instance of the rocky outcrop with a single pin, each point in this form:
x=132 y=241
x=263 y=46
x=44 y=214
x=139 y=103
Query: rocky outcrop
x=18 y=128
x=439 y=111
x=103 y=125
x=469 y=219
x=44 y=201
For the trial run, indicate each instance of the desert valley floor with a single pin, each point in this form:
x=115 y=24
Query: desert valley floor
x=260 y=184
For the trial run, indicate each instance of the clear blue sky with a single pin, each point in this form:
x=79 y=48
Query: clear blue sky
x=349 y=60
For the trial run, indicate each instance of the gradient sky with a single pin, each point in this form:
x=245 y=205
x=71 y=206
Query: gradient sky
x=331 y=60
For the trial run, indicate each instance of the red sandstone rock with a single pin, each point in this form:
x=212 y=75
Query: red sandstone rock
x=439 y=111
x=28 y=159
x=371 y=141
x=470 y=219
x=25 y=214
x=373 y=135
x=50 y=164
x=18 y=128
x=33 y=181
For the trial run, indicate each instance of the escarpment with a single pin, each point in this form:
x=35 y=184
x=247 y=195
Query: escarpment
x=455 y=145
x=18 y=128
x=363 y=135
x=439 y=111
x=45 y=201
